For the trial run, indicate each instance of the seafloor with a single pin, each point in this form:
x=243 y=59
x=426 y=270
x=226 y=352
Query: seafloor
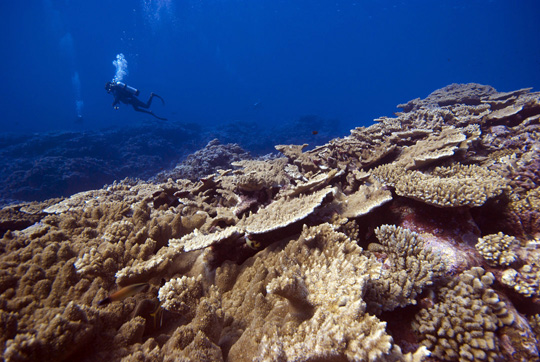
x=417 y=238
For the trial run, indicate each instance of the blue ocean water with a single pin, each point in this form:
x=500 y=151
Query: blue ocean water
x=253 y=72
x=263 y=61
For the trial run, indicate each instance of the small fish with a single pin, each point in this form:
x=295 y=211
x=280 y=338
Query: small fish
x=314 y=132
x=124 y=293
x=253 y=244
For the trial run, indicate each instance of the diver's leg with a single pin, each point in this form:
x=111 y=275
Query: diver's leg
x=137 y=103
x=155 y=95
x=148 y=112
x=149 y=102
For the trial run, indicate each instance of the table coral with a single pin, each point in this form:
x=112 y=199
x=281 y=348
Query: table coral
x=285 y=211
x=454 y=186
x=434 y=148
x=363 y=201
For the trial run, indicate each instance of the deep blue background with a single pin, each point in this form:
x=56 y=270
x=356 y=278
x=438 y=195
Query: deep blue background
x=213 y=60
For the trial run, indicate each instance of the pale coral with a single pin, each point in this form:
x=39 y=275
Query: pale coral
x=435 y=148
x=363 y=201
x=181 y=295
x=285 y=211
x=196 y=240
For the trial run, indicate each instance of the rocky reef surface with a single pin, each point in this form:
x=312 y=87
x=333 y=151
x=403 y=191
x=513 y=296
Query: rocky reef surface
x=41 y=166
x=416 y=238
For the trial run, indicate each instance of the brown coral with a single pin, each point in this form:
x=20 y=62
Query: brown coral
x=409 y=267
x=309 y=291
x=454 y=186
x=496 y=248
x=462 y=325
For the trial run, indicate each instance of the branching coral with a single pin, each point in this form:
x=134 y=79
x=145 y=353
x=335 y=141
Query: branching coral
x=409 y=267
x=314 y=308
x=496 y=248
x=525 y=280
x=462 y=325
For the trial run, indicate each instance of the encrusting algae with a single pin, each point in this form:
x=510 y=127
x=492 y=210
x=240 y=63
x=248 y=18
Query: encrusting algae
x=412 y=239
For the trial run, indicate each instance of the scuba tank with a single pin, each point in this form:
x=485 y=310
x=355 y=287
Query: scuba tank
x=126 y=87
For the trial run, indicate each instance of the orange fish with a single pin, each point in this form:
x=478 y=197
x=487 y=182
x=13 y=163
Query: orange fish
x=124 y=293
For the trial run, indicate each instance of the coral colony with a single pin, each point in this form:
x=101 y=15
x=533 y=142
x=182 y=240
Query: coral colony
x=416 y=238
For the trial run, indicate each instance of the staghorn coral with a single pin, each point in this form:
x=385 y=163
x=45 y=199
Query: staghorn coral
x=462 y=325
x=496 y=248
x=454 y=186
x=409 y=267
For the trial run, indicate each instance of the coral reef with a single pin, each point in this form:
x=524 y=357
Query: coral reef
x=462 y=325
x=410 y=265
x=496 y=249
x=454 y=186
x=413 y=239
x=204 y=162
x=42 y=166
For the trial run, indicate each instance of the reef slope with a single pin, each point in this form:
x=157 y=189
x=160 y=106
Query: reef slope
x=416 y=238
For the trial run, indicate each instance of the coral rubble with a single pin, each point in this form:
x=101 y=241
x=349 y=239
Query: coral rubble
x=416 y=238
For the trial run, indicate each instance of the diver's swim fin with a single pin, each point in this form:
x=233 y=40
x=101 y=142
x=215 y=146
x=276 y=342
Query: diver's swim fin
x=155 y=95
x=160 y=118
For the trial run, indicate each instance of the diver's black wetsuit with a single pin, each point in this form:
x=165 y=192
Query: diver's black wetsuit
x=121 y=94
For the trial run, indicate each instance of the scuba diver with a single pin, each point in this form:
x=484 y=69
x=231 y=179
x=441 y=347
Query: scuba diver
x=128 y=95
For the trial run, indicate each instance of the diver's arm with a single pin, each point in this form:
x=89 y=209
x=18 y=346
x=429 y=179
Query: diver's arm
x=116 y=101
